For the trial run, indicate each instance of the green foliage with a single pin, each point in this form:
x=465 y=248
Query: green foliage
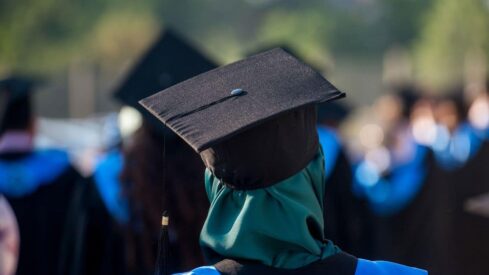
x=45 y=36
x=44 y=33
x=306 y=31
x=403 y=19
x=453 y=30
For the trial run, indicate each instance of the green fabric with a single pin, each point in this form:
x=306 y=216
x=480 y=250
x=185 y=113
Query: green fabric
x=279 y=226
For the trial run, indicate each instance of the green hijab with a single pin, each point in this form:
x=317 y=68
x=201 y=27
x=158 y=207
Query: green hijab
x=280 y=226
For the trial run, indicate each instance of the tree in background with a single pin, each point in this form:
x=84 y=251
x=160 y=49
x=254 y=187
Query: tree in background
x=43 y=34
x=453 y=30
x=46 y=36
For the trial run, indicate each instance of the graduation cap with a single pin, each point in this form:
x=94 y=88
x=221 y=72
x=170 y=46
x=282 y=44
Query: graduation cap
x=168 y=61
x=253 y=122
x=15 y=108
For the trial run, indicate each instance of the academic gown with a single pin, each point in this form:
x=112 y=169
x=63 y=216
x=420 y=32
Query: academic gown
x=407 y=208
x=436 y=230
x=460 y=179
x=347 y=221
x=39 y=186
x=94 y=243
x=412 y=234
x=338 y=264
x=469 y=221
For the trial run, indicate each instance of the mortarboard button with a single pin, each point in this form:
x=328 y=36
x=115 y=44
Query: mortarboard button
x=236 y=92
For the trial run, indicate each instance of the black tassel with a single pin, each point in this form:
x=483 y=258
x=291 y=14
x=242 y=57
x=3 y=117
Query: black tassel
x=163 y=257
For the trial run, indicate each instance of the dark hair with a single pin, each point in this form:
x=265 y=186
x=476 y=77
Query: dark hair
x=18 y=115
x=408 y=94
x=183 y=196
x=456 y=96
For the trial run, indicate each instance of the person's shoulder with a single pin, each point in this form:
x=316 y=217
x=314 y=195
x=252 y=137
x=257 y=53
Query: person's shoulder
x=203 y=270
x=366 y=267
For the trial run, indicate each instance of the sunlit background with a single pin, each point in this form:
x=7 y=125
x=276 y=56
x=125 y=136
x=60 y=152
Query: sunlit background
x=78 y=52
x=81 y=48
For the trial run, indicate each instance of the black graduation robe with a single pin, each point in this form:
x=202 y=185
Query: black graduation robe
x=410 y=235
x=444 y=229
x=347 y=221
x=468 y=227
x=93 y=242
x=42 y=216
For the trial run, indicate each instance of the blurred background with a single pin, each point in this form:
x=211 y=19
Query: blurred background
x=360 y=45
x=81 y=50
x=415 y=73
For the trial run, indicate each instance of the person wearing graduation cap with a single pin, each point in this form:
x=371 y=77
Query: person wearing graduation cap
x=253 y=123
x=171 y=59
x=38 y=184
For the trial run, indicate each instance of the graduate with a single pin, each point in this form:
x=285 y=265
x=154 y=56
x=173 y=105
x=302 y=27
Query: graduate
x=93 y=240
x=391 y=189
x=38 y=184
x=403 y=196
x=171 y=59
x=253 y=123
x=435 y=190
x=463 y=163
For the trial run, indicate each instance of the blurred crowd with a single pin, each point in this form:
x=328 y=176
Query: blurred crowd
x=407 y=178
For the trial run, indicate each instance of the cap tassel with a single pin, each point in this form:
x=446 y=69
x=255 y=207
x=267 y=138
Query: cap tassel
x=163 y=247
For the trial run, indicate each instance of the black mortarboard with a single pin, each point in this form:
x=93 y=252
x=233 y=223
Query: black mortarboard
x=168 y=61
x=15 y=109
x=253 y=121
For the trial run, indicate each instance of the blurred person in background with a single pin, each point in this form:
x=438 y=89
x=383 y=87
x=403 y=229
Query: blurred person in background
x=455 y=141
x=93 y=243
x=478 y=113
x=440 y=188
x=398 y=158
x=9 y=239
x=462 y=153
x=396 y=178
x=346 y=216
x=169 y=60
x=38 y=184
x=150 y=191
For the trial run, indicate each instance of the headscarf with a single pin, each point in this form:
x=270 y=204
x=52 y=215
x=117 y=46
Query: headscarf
x=279 y=226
